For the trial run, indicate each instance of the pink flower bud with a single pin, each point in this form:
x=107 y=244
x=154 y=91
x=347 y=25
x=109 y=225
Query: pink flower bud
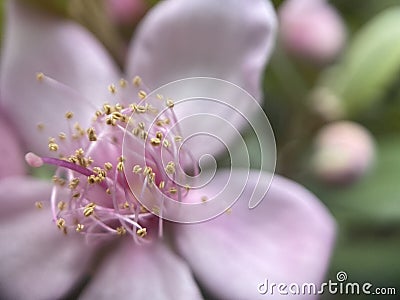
x=344 y=151
x=312 y=29
x=126 y=11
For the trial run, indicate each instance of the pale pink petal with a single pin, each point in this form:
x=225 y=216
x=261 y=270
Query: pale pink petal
x=286 y=239
x=37 y=260
x=35 y=42
x=230 y=40
x=19 y=194
x=11 y=157
x=142 y=272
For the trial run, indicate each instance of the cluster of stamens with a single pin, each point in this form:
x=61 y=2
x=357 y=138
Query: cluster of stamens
x=91 y=194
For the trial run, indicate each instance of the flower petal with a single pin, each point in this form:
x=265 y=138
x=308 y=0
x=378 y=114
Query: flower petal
x=12 y=159
x=229 y=40
x=37 y=261
x=144 y=272
x=286 y=239
x=35 y=42
x=19 y=194
x=179 y=39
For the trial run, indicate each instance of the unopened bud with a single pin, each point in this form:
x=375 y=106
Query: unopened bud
x=312 y=29
x=344 y=151
x=126 y=12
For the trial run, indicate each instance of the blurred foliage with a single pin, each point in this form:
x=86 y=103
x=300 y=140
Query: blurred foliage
x=366 y=81
x=369 y=64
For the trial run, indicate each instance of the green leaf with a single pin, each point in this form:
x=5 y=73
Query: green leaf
x=369 y=65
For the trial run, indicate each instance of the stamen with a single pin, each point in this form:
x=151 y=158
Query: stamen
x=114 y=209
x=112 y=88
x=136 y=81
x=69 y=115
x=142 y=232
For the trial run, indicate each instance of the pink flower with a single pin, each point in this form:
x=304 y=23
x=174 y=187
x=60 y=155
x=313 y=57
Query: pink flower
x=287 y=238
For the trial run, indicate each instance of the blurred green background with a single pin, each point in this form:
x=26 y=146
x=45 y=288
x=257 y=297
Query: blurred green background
x=364 y=78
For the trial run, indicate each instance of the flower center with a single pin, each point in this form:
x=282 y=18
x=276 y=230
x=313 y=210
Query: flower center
x=100 y=185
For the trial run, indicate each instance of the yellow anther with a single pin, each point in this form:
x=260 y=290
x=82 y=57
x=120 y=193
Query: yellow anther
x=118 y=107
x=136 y=81
x=162 y=122
x=136 y=169
x=92 y=179
x=108 y=191
x=74 y=183
x=228 y=211
x=159 y=135
x=60 y=223
x=117 y=115
x=39 y=76
x=136 y=131
x=204 y=199
x=143 y=135
x=96 y=170
x=76 y=195
x=141 y=125
x=142 y=232
x=107 y=109
x=79 y=152
x=91 y=134
x=170 y=168
x=112 y=88
x=69 y=115
x=161 y=184
x=57 y=180
x=166 y=143
x=39 y=204
x=151 y=177
x=178 y=139
x=62 y=136
x=125 y=205
x=98 y=113
x=141 y=109
x=111 y=121
x=89 y=209
x=159 y=97
x=108 y=166
x=79 y=227
x=122 y=83
x=173 y=190
x=120 y=166
x=142 y=94
x=53 y=146
x=121 y=230
x=155 y=141
x=187 y=187
x=61 y=205
x=147 y=171
x=170 y=103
